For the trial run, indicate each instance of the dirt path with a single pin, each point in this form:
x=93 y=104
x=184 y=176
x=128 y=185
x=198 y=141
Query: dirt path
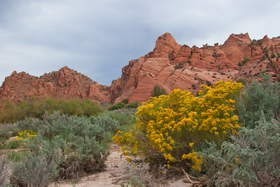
x=116 y=171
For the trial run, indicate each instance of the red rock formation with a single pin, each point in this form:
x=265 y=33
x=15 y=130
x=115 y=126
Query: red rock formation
x=171 y=65
x=65 y=83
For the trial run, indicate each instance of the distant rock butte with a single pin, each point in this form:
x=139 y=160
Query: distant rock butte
x=170 y=65
x=65 y=83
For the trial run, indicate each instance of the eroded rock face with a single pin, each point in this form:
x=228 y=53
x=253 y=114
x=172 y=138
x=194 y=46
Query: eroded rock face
x=65 y=83
x=171 y=65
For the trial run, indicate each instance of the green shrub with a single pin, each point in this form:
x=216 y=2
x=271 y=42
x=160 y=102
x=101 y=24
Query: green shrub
x=134 y=181
x=250 y=159
x=179 y=65
x=3 y=171
x=11 y=145
x=182 y=64
x=35 y=171
x=258 y=97
x=79 y=144
x=123 y=104
x=125 y=101
x=105 y=122
x=36 y=107
x=243 y=62
x=126 y=121
x=17 y=156
x=7 y=131
x=157 y=91
x=117 y=106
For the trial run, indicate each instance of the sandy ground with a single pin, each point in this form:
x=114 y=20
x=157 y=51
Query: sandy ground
x=109 y=178
x=115 y=173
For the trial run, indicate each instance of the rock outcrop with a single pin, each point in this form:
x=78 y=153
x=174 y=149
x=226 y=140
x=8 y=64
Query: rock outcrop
x=65 y=83
x=170 y=65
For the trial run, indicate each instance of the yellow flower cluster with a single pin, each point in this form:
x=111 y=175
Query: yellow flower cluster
x=172 y=125
x=128 y=139
x=25 y=134
x=197 y=161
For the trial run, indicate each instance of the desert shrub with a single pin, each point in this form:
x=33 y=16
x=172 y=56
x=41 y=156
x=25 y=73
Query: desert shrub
x=106 y=123
x=134 y=181
x=123 y=104
x=11 y=145
x=170 y=128
x=125 y=120
x=17 y=156
x=79 y=144
x=157 y=91
x=7 y=131
x=258 y=98
x=36 y=107
x=25 y=134
x=35 y=171
x=243 y=62
x=3 y=171
x=181 y=64
x=117 y=106
x=15 y=142
x=249 y=159
x=125 y=101
x=139 y=175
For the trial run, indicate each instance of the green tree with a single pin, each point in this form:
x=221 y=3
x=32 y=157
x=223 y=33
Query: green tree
x=157 y=91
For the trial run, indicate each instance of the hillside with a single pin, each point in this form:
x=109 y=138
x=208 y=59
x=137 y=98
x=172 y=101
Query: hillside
x=65 y=83
x=170 y=65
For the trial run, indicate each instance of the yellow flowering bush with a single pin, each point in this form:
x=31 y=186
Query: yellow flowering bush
x=170 y=127
x=25 y=134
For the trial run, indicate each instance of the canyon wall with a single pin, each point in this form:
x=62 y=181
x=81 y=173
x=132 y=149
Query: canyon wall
x=170 y=65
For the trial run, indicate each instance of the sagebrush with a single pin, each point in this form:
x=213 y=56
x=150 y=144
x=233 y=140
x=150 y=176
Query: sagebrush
x=72 y=146
x=257 y=98
x=249 y=159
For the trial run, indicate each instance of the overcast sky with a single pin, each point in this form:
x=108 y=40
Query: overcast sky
x=99 y=37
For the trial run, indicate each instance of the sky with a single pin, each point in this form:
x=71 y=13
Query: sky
x=98 y=38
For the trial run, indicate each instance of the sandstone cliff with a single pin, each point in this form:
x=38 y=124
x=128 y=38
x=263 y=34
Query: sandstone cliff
x=65 y=83
x=170 y=65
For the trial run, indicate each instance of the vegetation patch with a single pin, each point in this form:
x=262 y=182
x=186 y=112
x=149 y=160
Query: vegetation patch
x=170 y=128
x=182 y=64
x=249 y=159
x=257 y=100
x=158 y=91
x=124 y=105
x=243 y=62
x=11 y=112
x=60 y=146
x=226 y=135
